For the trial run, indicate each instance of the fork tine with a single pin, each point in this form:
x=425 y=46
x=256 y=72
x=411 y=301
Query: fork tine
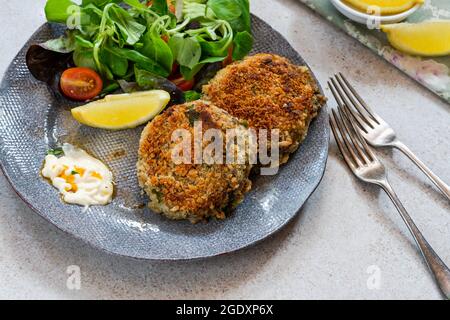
x=347 y=96
x=357 y=96
x=360 y=138
x=357 y=160
x=349 y=128
x=333 y=91
x=352 y=114
x=340 y=144
x=362 y=124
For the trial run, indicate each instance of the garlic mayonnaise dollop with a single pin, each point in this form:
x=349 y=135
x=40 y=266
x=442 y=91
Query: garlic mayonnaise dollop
x=80 y=178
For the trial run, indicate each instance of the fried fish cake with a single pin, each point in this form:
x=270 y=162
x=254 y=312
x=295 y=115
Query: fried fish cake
x=188 y=190
x=269 y=92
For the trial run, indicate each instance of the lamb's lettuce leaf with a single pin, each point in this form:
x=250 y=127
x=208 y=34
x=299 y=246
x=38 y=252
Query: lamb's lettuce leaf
x=98 y=3
x=118 y=65
x=140 y=60
x=226 y=9
x=191 y=95
x=157 y=49
x=160 y=7
x=187 y=51
x=129 y=28
x=189 y=73
x=242 y=45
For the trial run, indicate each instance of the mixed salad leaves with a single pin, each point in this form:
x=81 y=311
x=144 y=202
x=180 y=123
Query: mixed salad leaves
x=135 y=44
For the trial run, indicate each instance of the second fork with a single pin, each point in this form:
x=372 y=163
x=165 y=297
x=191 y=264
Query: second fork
x=374 y=129
x=366 y=166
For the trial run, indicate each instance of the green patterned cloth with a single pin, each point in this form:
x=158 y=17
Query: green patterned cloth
x=433 y=73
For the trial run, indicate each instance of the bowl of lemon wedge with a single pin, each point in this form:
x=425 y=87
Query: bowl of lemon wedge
x=429 y=38
x=376 y=12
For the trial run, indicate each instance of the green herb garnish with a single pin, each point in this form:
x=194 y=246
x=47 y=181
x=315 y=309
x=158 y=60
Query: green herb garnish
x=74 y=172
x=55 y=152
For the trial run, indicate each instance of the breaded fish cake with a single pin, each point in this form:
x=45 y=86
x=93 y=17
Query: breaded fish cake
x=269 y=92
x=190 y=191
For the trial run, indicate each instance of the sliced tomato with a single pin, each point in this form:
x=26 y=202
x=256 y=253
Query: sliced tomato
x=184 y=85
x=81 y=84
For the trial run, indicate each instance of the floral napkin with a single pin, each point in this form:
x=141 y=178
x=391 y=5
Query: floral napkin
x=433 y=73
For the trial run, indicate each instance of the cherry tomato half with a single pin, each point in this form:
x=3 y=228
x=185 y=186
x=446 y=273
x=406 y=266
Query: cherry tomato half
x=184 y=85
x=81 y=83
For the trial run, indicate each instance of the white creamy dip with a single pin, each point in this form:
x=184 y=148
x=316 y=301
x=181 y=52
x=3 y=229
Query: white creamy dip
x=80 y=178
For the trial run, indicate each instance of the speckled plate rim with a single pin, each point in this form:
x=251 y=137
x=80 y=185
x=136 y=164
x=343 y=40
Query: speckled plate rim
x=314 y=185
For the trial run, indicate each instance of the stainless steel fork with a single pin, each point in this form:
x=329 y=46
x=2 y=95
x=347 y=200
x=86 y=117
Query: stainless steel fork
x=365 y=165
x=374 y=129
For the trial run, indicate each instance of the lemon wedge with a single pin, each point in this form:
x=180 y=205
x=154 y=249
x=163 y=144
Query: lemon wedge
x=387 y=7
x=122 y=111
x=429 y=38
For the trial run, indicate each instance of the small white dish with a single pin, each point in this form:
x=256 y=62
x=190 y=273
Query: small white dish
x=365 y=18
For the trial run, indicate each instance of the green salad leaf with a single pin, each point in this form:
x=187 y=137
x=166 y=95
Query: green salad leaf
x=83 y=57
x=189 y=73
x=226 y=9
x=140 y=60
x=118 y=65
x=160 y=7
x=129 y=28
x=98 y=3
x=131 y=42
x=83 y=43
x=190 y=96
x=135 y=3
x=243 y=43
x=187 y=51
x=243 y=22
x=157 y=49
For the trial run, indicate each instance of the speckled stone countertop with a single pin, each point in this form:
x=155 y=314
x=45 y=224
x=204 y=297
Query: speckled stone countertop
x=348 y=242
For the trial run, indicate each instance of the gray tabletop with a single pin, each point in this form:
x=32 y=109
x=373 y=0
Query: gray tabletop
x=347 y=243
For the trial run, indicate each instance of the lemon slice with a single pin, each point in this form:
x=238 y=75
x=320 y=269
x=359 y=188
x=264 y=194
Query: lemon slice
x=387 y=7
x=429 y=38
x=122 y=111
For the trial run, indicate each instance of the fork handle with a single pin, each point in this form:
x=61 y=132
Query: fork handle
x=440 y=271
x=433 y=177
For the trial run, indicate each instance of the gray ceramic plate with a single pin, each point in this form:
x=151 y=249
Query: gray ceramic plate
x=32 y=120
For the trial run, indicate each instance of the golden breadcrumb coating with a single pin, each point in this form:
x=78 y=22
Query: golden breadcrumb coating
x=270 y=93
x=189 y=191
